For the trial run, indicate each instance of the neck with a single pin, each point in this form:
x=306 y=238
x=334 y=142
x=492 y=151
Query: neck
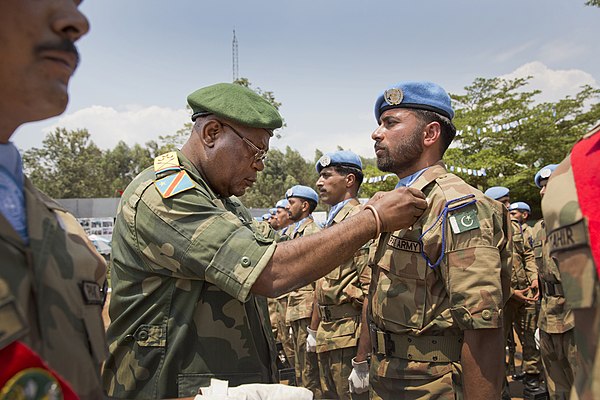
x=422 y=163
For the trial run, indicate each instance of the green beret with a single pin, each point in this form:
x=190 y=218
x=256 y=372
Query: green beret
x=235 y=103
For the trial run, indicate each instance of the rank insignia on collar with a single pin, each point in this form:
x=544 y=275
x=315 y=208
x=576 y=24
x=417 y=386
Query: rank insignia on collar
x=464 y=221
x=172 y=184
x=325 y=161
x=393 y=96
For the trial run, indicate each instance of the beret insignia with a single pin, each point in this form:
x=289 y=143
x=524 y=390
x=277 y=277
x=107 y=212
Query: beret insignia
x=393 y=96
x=545 y=173
x=325 y=161
x=289 y=193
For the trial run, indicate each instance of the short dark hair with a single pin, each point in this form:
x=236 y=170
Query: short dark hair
x=345 y=170
x=311 y=205
x=447 y=127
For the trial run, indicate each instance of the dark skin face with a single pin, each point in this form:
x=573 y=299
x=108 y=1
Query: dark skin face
x=505 y=200
x=38 y=59
x=224 y=159
x=283 y=218
x=334 y=187
x=298 y=208
x=519 y=215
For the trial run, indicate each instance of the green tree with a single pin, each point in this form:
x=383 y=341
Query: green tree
x=123 y=163
x=503 y=130
x=69 y=165
x=595 y=3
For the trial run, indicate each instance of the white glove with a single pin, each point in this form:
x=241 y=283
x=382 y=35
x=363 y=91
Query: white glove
x=219 y=390
x=359 y=377
x=311 y=341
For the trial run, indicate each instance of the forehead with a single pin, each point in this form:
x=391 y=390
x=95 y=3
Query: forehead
x=398 y=113
x=329 y=171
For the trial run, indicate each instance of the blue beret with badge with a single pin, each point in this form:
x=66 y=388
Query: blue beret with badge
x=303 y=192
x=544 y=173
x=420 y=95
x=265 y=217
x=519 y=205
x=272 y=211
x=283 y=203
x=343 y=157
x=497 y=192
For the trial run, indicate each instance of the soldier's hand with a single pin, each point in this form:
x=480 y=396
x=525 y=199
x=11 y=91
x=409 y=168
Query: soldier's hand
x=520 y=295
x=311 y=341
x=535 y=290
x=399 y=208
x=358 y=381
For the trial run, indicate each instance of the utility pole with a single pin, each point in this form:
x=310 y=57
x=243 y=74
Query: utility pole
x=234 y=50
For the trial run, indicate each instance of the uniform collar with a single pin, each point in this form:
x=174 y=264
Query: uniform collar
x=429 y=175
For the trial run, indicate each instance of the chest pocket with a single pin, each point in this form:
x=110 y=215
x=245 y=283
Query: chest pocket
x=399 y=281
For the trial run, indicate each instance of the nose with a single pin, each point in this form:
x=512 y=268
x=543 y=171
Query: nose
x=543 y=190
x=320 y=181
x=69 y=22
x=377 y=134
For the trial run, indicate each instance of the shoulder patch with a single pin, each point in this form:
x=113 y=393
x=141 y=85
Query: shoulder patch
x=166 y=162
x=172 y=184
x=464 y=220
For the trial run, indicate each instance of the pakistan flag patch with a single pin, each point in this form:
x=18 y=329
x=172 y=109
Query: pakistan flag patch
x=463 y=221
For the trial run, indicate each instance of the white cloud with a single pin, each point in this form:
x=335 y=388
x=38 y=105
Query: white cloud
x=554 y=84
x=133 y=124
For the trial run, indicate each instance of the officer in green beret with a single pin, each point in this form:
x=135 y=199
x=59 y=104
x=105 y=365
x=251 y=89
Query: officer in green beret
x=191 y=267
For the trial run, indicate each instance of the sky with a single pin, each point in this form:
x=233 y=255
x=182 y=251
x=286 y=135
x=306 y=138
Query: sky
x=325 y=61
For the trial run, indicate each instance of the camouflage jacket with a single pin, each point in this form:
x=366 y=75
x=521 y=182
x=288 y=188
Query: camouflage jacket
x=58 y=284
x=570 y=245
x=467 y=290
x=181 y=307
x=524 y=268
x=555 y=316
x=300 y=301
x=347 y=285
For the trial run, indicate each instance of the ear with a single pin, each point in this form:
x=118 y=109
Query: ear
x=305 y=206
x=350 y=180
x=432 y=133
x=210 y=131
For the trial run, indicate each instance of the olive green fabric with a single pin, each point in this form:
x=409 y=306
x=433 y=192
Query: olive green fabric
x=181 y=306
x=235 y=103
x=57 y=282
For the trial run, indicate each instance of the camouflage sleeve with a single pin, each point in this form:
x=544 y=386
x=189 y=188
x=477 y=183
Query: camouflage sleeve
x=530 y=264
x=477 y=273
x=189 y=237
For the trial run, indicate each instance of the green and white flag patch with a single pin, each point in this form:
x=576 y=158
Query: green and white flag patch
x=464 y=221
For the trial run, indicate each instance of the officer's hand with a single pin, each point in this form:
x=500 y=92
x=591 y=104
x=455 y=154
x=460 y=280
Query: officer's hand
x=399 y=208
x=520 y=295
x=311 y=341
x=359 y=377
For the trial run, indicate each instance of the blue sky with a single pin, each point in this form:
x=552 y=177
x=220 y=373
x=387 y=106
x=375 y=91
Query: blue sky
x=325 y=61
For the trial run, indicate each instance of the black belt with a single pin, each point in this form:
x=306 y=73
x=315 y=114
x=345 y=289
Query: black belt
x=335 y=312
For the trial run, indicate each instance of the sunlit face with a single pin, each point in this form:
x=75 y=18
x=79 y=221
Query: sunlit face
x=519 y=215
x=274 y=222
x=296 y=208
x=332 y=186
x=283 y=218
x=398 y=140
x=237 y=160
x=38 y=56
x=505 y=200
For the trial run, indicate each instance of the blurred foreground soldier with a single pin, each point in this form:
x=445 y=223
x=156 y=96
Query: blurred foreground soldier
x=438 y=288
x=340 y=294
x=302 y=201
x=572 y=214
x=520 y=311
x=556 y=321
x=51 y=277
x=191 y=266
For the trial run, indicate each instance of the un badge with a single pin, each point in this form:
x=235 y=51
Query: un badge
x=393 y=96
x=325 y=161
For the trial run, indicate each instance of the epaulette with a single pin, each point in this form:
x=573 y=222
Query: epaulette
x=170 y=177
x=448 y=183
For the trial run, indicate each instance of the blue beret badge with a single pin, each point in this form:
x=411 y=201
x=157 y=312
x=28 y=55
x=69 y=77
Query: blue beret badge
x=393 y=96
x=325 y=161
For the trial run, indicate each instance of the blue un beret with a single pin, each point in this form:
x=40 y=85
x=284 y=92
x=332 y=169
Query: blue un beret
x=283 y=203
x=303 y=192
x=497 y=192
x=520 y=205
x=415 y=94
x=272 y=211
x=265 y=217
x=343 y=157
x=544 y=173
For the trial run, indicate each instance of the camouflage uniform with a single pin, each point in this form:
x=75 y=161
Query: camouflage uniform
x=58 y=284
x=281 y=330
x=556 y=322
x=340 y=295
x=572 y=247
x=181 y=306
x=523 y=316
x=419 y=312
x=298 y=313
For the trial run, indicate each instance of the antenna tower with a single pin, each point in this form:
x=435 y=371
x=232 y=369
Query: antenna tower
x=234 y=50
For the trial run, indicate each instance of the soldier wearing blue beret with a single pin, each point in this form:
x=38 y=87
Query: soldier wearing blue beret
x=188 y=259
x=499 y=193
x=283 y=217
x=437 y=289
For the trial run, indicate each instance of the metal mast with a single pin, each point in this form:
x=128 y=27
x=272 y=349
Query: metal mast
x=234 y=50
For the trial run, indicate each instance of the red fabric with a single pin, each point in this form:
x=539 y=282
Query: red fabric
x=16 y=357
x=585 y=161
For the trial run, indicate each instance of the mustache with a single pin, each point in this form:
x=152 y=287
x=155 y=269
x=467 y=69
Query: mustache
x=64 y=45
